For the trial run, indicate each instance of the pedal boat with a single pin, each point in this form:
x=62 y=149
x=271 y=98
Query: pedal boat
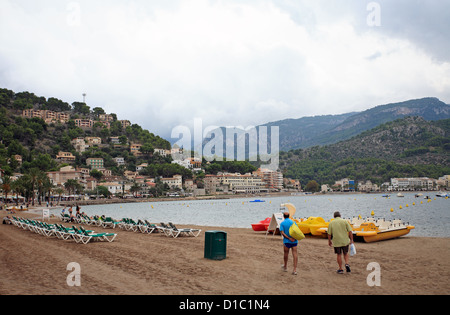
x=313 y=226
x=262 y=225
x=372 y=230
x=381 y=230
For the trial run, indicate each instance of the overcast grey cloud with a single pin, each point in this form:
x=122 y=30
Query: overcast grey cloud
x=232 y=63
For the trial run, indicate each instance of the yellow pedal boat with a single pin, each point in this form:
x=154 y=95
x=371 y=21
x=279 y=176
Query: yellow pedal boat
x=313 y=226
x=380 y=230
x=371 y=230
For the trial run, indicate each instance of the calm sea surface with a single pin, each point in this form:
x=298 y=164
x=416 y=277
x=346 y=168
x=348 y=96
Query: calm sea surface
x=430 y=218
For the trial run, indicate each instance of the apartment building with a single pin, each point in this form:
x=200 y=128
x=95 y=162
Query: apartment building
x=161 y=152
x=113 y=187
x=106 y=117
x=412 y=183
x=60 y=177
x=135 y=149
x=345 y=184
x=190 y=163
x=95 y=163
x=368 y=186
x=273 y=180
x=119 y=160
x=141 y=167
x=93 y=140
x=174 y=182
x=65 y=157
x=444 y=181
x=125 y=124
x=84 y=123
x=235 y=183
x=79 y=144
x=47 y=115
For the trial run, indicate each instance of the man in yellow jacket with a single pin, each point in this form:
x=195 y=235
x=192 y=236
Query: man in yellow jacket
x=340 y=236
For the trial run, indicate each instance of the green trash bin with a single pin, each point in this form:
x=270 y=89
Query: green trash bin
x=215 y=245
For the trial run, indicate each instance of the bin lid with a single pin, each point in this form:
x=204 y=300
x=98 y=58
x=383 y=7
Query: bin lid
x=215 y=232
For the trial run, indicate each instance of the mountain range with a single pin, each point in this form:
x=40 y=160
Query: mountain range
x=322 y=130
x=406 y=147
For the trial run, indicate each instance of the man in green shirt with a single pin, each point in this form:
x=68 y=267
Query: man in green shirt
x=340 y=236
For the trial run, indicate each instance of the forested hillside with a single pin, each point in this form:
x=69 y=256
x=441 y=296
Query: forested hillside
x=409 y=147
x=322 y=130
x=39 y=142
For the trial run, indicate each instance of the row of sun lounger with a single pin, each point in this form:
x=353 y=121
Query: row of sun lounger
x=79 y=235
x=83 y=219
x=169 y=230
x=128 y=224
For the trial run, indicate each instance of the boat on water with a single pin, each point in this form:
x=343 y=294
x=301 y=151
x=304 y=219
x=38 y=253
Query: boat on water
x=257 y=200
x=385 y=196
x=442 y=194
x=400 y=195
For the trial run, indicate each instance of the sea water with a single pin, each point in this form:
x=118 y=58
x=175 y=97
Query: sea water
x=430 y=218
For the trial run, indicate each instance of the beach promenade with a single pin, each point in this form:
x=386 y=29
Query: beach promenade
x=136 y=263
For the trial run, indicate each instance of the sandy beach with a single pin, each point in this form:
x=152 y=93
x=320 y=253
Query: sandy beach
x=154 y=264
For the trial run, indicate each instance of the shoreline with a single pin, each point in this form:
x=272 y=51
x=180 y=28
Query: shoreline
x=66 y=203
x=149 y=264
x=37 y=210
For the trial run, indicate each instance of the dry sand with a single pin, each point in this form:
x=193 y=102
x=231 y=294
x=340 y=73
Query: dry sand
x=153 y=264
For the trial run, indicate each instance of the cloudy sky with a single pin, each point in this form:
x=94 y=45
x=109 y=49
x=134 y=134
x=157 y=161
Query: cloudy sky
x=163 y=63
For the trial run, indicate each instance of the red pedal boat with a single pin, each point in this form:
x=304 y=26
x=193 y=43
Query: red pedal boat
x=262 y=225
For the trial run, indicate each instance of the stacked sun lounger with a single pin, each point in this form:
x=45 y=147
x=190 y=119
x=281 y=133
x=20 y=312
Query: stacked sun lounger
x=139 y=226
x=79 y=235
x=169 y=230
x=145 y=227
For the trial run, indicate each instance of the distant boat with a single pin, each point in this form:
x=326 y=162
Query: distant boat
x=386 y=196
x=442 y=194
x=257 y=200
x=400 y=195
x=418 y=195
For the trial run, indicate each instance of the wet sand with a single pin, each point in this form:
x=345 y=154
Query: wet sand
x=154 y=264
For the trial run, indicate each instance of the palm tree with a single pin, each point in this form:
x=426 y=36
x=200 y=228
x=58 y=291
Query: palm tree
x=134 y=189
x=33 y=179
x=22 y=186
x=42 y=182
x=59 y=191
x=6 y=187
x=70 y=185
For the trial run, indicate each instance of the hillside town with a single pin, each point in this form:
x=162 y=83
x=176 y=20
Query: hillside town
x=95 y=177
x=94 y=180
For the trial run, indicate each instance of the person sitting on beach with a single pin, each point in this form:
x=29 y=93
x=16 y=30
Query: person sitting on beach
x=340 y=236
x=288 y=242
